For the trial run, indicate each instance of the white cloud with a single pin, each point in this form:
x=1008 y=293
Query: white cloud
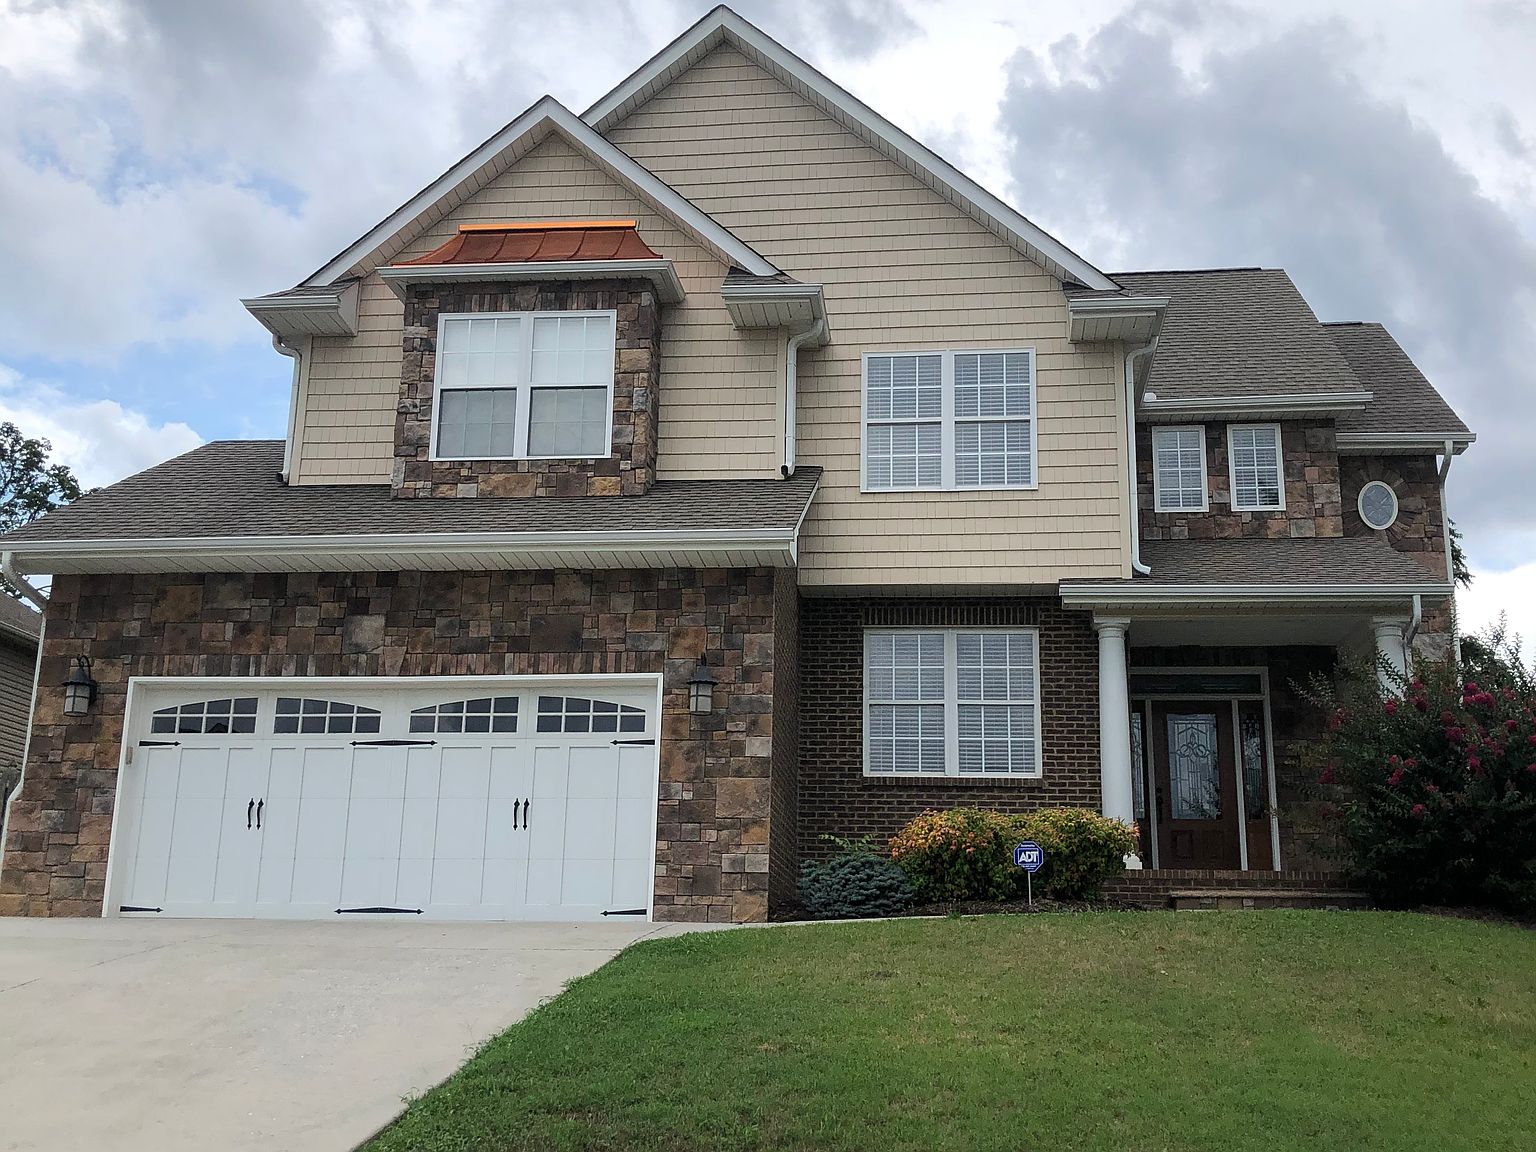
x=1512 y=593
x=100 y=440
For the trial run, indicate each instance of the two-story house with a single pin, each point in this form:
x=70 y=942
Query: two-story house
x=671 y=485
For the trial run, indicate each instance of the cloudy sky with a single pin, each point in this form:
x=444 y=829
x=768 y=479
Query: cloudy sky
x=159 y=160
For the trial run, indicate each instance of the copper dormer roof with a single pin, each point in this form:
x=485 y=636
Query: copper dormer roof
x=540 y=242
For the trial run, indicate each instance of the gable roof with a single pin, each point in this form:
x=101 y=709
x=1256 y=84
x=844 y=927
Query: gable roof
x=545 y=117
x=723 y=26
x=549 y=241
x=1244 y=333
x=1402 y=399
x=18 y=622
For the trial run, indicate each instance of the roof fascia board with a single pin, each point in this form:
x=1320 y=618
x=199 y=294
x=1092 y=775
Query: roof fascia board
x=1358 y=442
x=662 y=273
x=1104 y=595
x=1268 y=402
x=1114 y=304
x=546 y=114
x=724 y=25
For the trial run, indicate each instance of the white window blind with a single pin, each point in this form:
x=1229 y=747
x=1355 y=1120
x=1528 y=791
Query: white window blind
x=1254 y=450
x=949 y=420
x=952 y=702
x=1178 y=469
x=523 y=384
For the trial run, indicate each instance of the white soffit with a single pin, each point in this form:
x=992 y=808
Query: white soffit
x=791 y=306
x=501 y=152
x=301 y=313
x=724 y=26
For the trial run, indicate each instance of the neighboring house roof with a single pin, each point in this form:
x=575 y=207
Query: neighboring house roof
x=224 y=502
x=723 y=26
x=1402 y=399
x=387 y=238
x=1239 y=332
x=547 y=242
x=18 y=622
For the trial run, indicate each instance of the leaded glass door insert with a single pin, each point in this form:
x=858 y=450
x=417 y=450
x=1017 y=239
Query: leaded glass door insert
x=1196 y=782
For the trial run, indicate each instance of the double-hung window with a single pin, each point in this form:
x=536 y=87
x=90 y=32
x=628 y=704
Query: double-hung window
x=949 y=420
x=952 y=702
x=515 y=385
x=1257 y=472
x=1178 y=469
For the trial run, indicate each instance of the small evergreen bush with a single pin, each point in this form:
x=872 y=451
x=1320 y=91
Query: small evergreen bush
x=856 y=883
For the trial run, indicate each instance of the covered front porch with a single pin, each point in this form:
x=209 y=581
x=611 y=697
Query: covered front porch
x=1204 y=709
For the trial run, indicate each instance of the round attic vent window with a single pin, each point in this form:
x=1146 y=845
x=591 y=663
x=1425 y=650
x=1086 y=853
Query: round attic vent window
x=1378 y=505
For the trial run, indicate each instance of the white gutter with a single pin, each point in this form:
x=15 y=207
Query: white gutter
x=661 y=273
x=1100 y=595
x=1131 y=357
x=791 y=386
x=1405 y=441
x=1286 y=402
x=20 y=582
x=293 y=403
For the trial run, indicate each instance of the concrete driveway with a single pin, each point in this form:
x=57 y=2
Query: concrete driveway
x=237 y=1034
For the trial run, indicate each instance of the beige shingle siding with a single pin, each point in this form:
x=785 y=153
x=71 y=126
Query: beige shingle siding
x=721 y=413
x=17 y=664
x=901 y=269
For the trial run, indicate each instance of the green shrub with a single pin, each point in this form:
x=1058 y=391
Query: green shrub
x=1082 y=850
x=967 y=853
x=856 y=883
x=1433 y=793
x=960 y=854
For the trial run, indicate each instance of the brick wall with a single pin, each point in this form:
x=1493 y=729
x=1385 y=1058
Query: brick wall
x=629 y=470
x=1310 y=459
x=714 y=821
x=837 y=798
x=783 y=824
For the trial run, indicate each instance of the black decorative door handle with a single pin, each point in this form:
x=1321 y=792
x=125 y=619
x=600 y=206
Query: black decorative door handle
x=527 y=807
x=516 y=807
x=249 y=808
x=259 y=806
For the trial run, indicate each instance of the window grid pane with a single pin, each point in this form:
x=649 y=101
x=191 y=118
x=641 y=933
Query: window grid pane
x=1178 y=455
x=476 y=423
x=1255 y=468
x=994 y=453
x=905 y=456
x=996 y=684
x=318 y=717
x=905 y=678
x=568 y=422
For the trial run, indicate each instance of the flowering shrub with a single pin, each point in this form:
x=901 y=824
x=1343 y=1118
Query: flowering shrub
x=1082 y=850
x=967 y=853
x=1434 y=793
x=961 y=854
x=857 y=882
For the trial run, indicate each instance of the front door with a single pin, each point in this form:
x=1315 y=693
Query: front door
x=1196 y=784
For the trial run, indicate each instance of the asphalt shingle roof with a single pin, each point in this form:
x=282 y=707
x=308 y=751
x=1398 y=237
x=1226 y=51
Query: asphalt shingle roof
x=17 y=618
x=1362 y=560
x=231 y=488
x=1404 y=401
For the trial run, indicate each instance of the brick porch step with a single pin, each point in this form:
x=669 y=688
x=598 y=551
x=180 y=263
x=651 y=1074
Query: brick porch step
x=1201 y=899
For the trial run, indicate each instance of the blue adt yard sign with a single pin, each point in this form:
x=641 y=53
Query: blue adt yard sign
x=1031 y=857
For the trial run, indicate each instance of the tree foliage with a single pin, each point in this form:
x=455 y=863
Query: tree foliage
x=29 y=484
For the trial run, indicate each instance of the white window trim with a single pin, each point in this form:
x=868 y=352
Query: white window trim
x=1397 y=505
x=523 y=386
x=1279 y=470
x=1205 y=477
x=947 y=421
x=952 y=710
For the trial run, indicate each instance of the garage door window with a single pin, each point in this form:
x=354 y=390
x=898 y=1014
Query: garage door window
x=328 y=717
x=581 y=714
x=226 y=715
x=482 y=714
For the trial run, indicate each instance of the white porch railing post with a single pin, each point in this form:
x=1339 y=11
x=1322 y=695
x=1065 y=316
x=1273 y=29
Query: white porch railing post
x=1115 y=725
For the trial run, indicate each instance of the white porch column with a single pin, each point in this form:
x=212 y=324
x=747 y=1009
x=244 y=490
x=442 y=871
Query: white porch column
x=1115 y=725
x=1390 y=645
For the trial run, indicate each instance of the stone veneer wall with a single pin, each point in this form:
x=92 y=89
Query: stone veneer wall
x=837 y=798
x=1304 y=838
x=1418 y=531
x=629 y=470
x=784 y=804
x=1310 y=459
x=714 y=821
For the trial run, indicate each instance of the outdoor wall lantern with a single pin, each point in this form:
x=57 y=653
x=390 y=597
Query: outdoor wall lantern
x=79 y=689
x=701 y=689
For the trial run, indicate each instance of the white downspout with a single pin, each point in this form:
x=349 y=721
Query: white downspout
x=20 y=582
x=792 y=359
x=1131 y=357
x=1450 y=569
x=293 y=402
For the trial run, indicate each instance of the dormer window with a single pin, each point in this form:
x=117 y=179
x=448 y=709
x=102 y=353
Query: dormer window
x=524 y=385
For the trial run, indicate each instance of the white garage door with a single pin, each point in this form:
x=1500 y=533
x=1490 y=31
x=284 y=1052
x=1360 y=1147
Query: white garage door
x=445 y=799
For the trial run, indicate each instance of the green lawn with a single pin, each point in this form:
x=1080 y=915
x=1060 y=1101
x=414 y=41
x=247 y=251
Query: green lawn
x=1114 y=1031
